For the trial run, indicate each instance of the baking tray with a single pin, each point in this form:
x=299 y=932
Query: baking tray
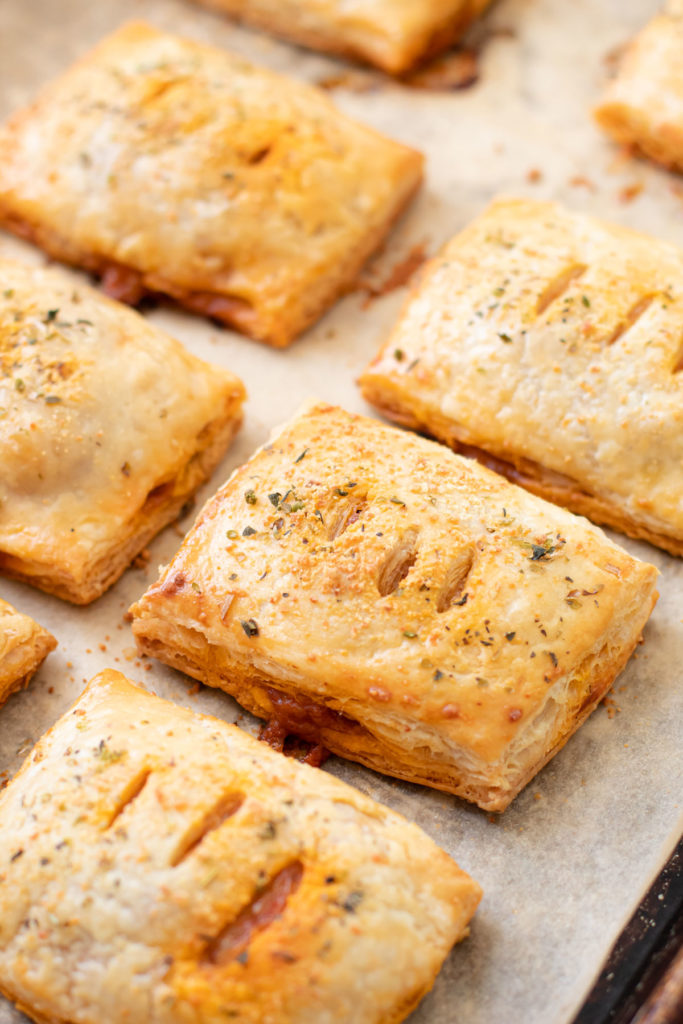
x=566 y=865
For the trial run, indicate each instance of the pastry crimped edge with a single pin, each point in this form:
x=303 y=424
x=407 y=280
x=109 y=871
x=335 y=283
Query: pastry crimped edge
x=188 y=651
x=394 y=61
x=547 y=484
x=18 y=667
x=409 y=1004
x=661 y=143
x=162 y=506
x=236 y=312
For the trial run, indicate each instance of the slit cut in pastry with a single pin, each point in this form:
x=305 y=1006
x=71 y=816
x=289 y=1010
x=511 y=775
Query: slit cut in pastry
x=24 y=645
x=643 y=105
x=107 y=428
x=455 y=633
x=172 y=868
x=549 y=345
x=168 y=166
x=395 y=35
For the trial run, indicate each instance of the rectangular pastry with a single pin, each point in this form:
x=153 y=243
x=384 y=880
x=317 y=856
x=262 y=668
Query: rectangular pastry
x=24 y=645
x=168 y=166
x=550 y=345
x=107 y=427
x=393 y=34
x=371 y=591
x=643 y=105
x=162 y=866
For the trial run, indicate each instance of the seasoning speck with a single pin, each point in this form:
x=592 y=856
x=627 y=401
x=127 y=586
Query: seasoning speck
x=352 y=901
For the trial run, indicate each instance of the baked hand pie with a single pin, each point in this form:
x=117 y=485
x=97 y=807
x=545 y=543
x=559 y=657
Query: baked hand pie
x=107 y=427
x=164 y=165
x=162 y=866
x=393 y=34
x=643 y=105
x=371 y=591
x=24 y=645
x=550 y=345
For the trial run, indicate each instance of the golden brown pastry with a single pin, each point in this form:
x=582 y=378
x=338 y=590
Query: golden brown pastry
x=370 y=590
x=643 y=105
x=107 y=428
x=550 y=345
x=169 y=166
x=24 y=645
x=393 y=34
x=173 y=869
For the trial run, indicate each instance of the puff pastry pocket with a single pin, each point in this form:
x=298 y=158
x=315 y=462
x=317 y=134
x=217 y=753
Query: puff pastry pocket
x=409 y=609
x=172 y=868
x=393 y=34
x=643 y=105
x=24 y=645
x=168 y=166
x=107 y=427
x=550 y=345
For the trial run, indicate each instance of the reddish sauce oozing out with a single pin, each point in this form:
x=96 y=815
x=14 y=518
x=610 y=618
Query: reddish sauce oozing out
x=304 y=718
x=123 y=284
x=219 y=307
x=261 y=912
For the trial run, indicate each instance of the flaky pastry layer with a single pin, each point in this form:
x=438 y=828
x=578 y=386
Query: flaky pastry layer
x=550 y=345
x=393 y=34
x=110 y=427
x=24 y=645
x=174 y=869
x=411 y=610
x=168 y=166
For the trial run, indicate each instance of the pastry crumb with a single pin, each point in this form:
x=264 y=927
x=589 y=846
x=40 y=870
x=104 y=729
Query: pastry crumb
x=630 y=192
x=141 y=560
x=398 y=276
x=581 y=181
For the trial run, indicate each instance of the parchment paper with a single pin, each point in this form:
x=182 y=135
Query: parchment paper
x=565 y=866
